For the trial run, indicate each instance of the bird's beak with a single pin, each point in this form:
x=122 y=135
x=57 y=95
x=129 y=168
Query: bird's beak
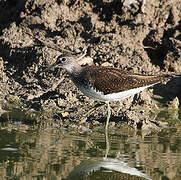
x=50 y=67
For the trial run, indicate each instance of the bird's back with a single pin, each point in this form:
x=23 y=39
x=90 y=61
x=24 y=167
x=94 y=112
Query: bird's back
x=111 y=80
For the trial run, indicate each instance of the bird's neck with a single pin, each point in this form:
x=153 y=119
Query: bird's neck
x=73 y=69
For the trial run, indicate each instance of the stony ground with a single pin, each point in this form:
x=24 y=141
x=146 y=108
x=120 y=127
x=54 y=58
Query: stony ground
x=140 y=36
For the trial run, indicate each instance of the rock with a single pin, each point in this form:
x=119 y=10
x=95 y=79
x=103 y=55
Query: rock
x=174 y=104
x=64 y=114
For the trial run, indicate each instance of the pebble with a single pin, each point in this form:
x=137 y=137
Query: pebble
x=64 y=114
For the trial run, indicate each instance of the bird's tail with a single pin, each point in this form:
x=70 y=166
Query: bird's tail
x=167 y=77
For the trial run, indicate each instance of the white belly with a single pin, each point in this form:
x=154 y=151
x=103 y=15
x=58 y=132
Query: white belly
x=99 y=96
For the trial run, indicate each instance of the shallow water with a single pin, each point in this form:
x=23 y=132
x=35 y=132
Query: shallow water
x=50 y=152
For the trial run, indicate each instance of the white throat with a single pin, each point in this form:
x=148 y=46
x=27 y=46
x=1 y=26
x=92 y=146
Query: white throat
x=72 y=68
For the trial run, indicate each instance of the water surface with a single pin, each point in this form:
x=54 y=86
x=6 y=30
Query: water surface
x=50 y=152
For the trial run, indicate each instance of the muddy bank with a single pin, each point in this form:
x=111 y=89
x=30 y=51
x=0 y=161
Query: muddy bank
x=143 y=37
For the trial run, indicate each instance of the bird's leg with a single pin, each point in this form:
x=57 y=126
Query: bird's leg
x=108 y=115
x=120 y=106
x=93 y=109
x=90 y=112
x=107 y=144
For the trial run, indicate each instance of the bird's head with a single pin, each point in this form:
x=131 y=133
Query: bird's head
x=67 y=62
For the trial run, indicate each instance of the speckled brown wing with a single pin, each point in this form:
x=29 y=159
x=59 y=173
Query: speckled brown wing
x=111 y=80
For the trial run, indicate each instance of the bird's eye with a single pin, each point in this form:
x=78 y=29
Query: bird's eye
x=64 y=59
x=61 y=60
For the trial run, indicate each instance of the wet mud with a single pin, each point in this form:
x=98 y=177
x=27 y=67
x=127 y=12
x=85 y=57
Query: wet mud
x=140 y=36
